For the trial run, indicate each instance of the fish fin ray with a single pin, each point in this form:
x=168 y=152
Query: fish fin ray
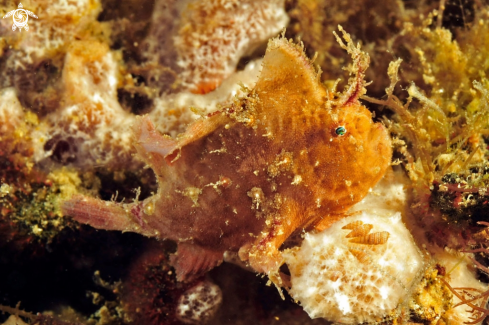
x=192 y=261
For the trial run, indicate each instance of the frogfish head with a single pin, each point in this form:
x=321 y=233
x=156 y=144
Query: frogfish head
x=338 y=148
x=354 y=130
x=359 y=149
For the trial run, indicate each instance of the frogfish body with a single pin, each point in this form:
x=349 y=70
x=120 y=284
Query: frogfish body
x=289 y=156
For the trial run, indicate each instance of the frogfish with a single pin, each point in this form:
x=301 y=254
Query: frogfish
x=290 y=156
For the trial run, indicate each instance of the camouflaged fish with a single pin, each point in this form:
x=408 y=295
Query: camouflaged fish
x=290 y=156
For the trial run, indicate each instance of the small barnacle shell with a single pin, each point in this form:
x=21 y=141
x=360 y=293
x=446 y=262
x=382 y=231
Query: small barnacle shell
x=360 y=254
x=377 y=238
x=353 y=225
x=360 y=231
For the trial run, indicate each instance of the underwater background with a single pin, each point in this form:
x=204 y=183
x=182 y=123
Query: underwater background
x=105 y=110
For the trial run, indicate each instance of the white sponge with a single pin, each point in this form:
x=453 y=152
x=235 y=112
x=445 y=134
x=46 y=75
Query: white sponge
x=359 y=270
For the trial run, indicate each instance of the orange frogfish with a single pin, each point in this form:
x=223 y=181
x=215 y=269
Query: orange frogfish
x=288 y=157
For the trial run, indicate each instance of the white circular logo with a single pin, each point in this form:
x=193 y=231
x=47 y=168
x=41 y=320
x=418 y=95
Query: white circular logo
x=20 y=17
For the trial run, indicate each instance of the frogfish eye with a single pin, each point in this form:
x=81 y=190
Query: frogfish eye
x=340 y=130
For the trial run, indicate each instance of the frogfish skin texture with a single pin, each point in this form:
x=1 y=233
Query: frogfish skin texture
x=288 y=157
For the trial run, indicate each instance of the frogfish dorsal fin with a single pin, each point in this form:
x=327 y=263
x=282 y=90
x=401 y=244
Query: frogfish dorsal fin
x=288 y=77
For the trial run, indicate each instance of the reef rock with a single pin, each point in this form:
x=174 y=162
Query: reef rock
x=91 y=128
x=172 y=115
x=215 y=34
x=354 y=271
x=198 y=304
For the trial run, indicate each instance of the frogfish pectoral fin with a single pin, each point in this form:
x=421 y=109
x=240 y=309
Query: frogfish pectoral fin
x=264 y=254
x=106 y=215
x=192 y=261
